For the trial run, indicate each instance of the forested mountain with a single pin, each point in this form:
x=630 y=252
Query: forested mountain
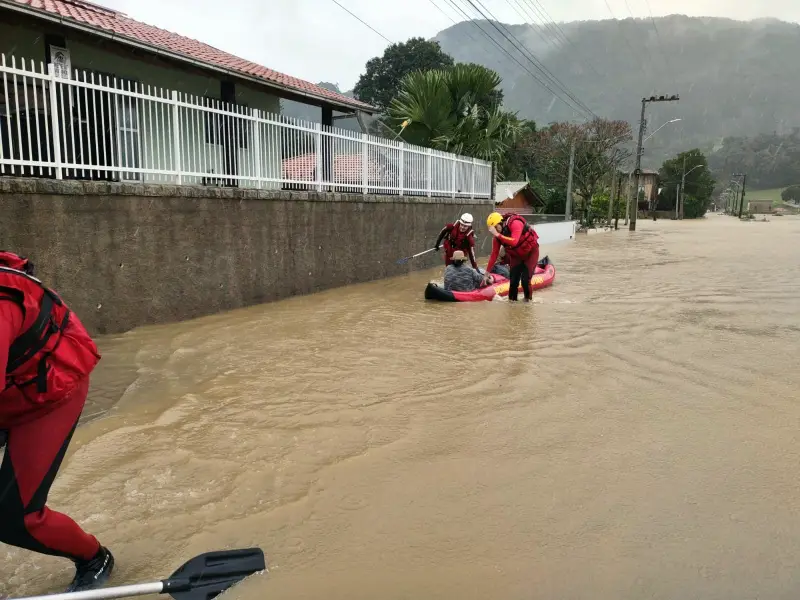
x=734 y=78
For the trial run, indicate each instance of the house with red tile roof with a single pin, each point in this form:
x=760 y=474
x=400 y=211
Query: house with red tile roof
x=32 y=27
x=145 y=71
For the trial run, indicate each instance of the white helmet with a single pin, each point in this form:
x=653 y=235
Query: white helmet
x=466 y=219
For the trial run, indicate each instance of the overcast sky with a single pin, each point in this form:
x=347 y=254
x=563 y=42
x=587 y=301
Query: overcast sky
x=318 y=41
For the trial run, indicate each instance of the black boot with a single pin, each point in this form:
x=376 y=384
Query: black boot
x=94 y=573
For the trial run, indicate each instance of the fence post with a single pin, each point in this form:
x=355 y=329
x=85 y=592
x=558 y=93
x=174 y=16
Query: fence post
x=402 y=167
x=318 y=127
x=176 y=136
x=453 y=176
x=365 y=163
x=430 y=172
x=257 y=146
x=474 y=166
x=51 y=71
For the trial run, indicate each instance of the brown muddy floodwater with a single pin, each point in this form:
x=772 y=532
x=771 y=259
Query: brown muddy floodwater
x=631 y=434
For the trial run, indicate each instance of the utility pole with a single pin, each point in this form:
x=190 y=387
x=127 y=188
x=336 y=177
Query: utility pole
x=634 y=209
x=735 y=200
x=628 y=197
x=677 y=200
x=744 y=183
x=568 y=211
x=613 y=194
x=682 y=197
x=616 y=204
x=638 y=169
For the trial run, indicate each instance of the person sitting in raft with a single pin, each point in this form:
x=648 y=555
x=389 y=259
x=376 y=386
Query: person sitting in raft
x=458 y=236
x=458 y=277
x=501 y=267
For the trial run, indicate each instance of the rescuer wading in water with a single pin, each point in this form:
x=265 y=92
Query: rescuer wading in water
x=47 y=357
x=521 y=243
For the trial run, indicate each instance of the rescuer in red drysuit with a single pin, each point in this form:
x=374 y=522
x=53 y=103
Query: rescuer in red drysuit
x=46 y=356
x=458 y=236
x=521 y=243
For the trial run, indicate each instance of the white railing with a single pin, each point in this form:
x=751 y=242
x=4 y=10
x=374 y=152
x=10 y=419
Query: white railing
x=100 y=127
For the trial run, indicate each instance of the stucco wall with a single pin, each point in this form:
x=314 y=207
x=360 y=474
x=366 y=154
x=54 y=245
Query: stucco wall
x=124 y=255
x=553 y=233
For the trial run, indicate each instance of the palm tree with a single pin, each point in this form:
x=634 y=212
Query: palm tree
x=456 y=110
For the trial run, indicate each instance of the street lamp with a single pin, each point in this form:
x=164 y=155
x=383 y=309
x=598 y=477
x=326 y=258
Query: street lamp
x=743 y=185
x=630 y=175
x=657 y=130
x=642 y=122
x=682 y=196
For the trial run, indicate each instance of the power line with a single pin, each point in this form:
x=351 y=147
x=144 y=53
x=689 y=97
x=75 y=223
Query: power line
x=625 y=37
x=661 y=45
x=511 y=56
x=644 y=45
x=527 y=17
x=535 y=4
x=547 y=21
x=362 y=21
x=533 y=60
x=453 y=21
x=550 y=26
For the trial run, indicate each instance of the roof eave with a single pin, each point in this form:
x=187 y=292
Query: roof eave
x=100 y=32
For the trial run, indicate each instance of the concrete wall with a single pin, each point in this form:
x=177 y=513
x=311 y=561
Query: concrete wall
x=124 y=254
x=552 y=233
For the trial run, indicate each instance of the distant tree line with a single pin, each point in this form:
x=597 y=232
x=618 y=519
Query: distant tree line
x=770 y=160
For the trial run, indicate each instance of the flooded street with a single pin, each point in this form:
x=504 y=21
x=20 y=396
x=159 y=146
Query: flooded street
x=632 y=434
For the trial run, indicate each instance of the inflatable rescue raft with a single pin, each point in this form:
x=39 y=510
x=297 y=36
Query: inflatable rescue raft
x=542 y=278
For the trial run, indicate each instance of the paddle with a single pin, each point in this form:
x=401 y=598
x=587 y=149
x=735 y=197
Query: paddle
x=202 y=578
x=403 y=261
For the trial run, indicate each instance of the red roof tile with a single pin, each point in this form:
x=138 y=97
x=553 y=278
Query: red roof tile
x=347 y=168
x=110 y=20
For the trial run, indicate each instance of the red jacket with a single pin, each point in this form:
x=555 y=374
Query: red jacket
x=455 y=239
x=47 y=349
x=518 y=238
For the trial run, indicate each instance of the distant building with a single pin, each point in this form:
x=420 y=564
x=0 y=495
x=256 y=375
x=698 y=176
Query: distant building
x=131 y=89
x=760 y=207
x=347 y=170
x=648 y=182
x=517 y=196
x=648 y=189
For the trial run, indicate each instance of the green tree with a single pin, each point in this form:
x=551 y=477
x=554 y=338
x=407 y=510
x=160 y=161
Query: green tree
x=600 y=147
x=769 y=159
x=515 y=164
x=455 y=110
x=699 y=182
x=554 y=196
x=791 y=193
x=383 y=74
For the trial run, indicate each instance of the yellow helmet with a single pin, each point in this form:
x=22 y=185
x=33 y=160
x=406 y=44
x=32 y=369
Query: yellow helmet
x=494 y=219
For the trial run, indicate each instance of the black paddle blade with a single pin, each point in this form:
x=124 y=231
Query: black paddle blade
x=208 y=575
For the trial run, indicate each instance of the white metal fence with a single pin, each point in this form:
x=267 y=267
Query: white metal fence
x=87 y=125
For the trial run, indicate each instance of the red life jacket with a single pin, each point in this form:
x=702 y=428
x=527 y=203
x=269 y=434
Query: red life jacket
x=54 y=351
x=528 y=240
x=460 y=240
